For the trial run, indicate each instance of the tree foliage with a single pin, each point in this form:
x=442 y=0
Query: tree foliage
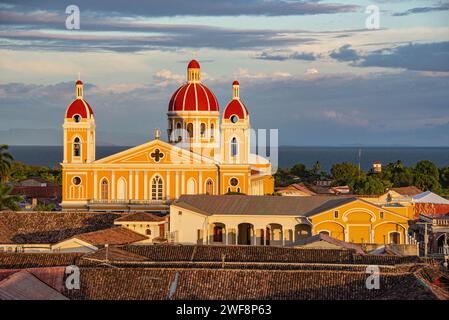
x=7 y=200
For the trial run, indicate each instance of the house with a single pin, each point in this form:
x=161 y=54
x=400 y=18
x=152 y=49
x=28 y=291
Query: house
x=437 y=233
x=295 y=189
x=279 y=221
x=430 y=204
x=154 y=227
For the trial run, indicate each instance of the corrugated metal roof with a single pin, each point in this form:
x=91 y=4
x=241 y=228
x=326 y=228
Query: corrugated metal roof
x=260 y=205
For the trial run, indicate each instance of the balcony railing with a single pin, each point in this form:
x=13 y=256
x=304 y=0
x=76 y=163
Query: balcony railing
x=128 y=202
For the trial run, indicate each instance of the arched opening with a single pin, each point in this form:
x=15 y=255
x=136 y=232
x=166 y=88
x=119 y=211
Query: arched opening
x=148 y=232
x=190 y=130
x=212 y=129
x=157 y=188
x=77 y=147
x=209 y=187
x=104 y=190
x=274 y=234
x=246 y=233
x=395 y=237
x=218 y=232
x=203 y=130
x=234 y=147
x=302 y=231
x=441 y=241
x=179 y=131
x=191 y=186
x=121 y=189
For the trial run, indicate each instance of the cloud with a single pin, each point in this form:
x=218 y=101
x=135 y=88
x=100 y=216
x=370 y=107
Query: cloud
x=345 y=53
x=165 y=77
x=415 y=56
x=163 y=8
x=311 y=71
x=324 y=109
x=441 y=7
x=431 y=57
x=279 y=55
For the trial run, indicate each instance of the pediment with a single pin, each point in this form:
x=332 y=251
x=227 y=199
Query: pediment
x=155 y=152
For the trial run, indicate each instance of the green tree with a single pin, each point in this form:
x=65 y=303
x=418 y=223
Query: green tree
x=316 y=167
x=444 y=177
x=427 y=176
x=6 y=160
x=299 y=170
x=372 y=185
x=45 y=207
x=398 y=174
x=346 y=174
x=7 y=200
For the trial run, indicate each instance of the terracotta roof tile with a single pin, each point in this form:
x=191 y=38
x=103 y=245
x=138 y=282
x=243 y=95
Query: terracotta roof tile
x=140 y=216
x=407 y=191
x=112 y=236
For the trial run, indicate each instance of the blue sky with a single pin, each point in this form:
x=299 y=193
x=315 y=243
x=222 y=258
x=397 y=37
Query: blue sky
x=309 y=68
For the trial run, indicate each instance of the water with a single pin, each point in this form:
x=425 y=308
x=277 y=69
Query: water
x=288 y=156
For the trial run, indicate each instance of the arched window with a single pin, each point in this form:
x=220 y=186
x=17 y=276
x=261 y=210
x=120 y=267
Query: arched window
x=191 y=186
x=104 y=190
x=157 y=188
x=77 y=147
x=218 y=233
x=212 y=129
x=190 y=130
x=121 y=189
x=234 y=147
x=179 y=131
x=203 y=130
x=210 y=187
x=395 y=238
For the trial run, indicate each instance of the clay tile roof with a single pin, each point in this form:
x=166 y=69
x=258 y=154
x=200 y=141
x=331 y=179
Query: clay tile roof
x=260 y=205
x=329 y=239
x=407 y=191
x=140 y=216
x=5 y=234
x=114 y=254
x=53 y=227
x=112 y=236
x=23 y=285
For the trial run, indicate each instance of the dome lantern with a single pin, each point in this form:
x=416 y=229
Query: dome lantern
x=193 y=72
x=235 y=90
x=79 y=89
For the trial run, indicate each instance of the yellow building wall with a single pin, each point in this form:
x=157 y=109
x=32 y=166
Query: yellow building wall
x=361 y=222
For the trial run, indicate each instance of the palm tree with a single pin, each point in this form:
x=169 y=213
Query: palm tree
x=6 y=160
x=7 y=200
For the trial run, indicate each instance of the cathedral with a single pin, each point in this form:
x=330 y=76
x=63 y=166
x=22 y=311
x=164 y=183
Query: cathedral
x=202 y=155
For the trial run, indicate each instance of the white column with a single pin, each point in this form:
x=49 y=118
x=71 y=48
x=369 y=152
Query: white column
x=176 y=185
x=130 y=184
x=95 y=185
x=167 y=186
x=65 y=145
x=136 y=192
x=200 y=182
x=113 y=185
x=145 y=185
x=182 y=182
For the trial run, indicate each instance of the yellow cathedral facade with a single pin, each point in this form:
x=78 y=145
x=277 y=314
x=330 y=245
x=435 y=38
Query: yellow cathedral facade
x=205 y=153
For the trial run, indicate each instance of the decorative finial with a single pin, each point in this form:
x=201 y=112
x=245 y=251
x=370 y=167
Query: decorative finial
x=157 y=133
x=79 y=75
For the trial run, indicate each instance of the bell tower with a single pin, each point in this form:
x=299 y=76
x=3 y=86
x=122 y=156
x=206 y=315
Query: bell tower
x=235 y=130
x=79 y=130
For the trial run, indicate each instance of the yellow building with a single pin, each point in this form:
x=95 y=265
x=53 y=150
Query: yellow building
x=201 y=156
x=271 y=220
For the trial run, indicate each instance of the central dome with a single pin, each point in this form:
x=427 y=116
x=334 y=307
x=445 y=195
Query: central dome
x=193 y=95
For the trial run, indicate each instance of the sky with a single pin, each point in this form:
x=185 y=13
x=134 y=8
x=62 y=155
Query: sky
x=309 y=68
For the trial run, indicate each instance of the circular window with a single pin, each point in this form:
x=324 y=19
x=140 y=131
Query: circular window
x=76 y=181
x=77 y=118
x=234 y=182
x=234 y=119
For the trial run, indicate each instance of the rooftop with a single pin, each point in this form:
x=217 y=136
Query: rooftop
x=260 y=205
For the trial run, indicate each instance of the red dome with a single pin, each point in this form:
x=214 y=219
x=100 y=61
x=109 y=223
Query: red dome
x=236 y=107
x=79 y=82
x=81 y=107
x=193 y=97
x=193 y=64
x=235 y=83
